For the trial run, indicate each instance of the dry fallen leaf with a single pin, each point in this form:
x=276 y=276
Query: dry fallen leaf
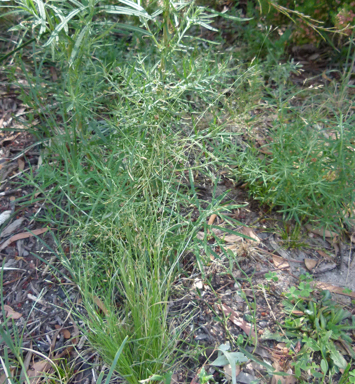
x=212 y=219
x=66 y=334
x=3 y=377
x=200 y=235
x=101 y=305
x=310 y=263
x=8 y=139
x=250 y=233
x=239 y=322
x=21 y=164
x=232 y=238
x=37 y=370
x=332 y=288
x=12 y=227
x=26 y=365
x=11 y=314
x=228 y=371
x=276 y=379
x=325 y=77
x=324 y=254
x=280 y=262
x=283 y=380
x=321 y=231
x=296 y=312
x=23 y=235
x=174 y=379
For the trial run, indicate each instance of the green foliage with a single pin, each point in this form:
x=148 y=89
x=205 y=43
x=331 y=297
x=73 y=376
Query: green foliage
x=204 y=377
x=142 y=113
x=312 y=19
x=271 y=276
x=317 y=324
x=117 y=179
x=291 y=236
x=306 y=168
x=233 y=358
x=307 y=174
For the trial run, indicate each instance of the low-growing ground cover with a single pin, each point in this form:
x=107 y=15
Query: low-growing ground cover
x=144 y=129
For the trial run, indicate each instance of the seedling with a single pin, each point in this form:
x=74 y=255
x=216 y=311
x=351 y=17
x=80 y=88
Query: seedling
x=204 y=377
x=271 y=276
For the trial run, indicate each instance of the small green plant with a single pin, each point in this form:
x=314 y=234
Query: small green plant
x=317 y=324
x=291 y=236
x=233 y=358
x=271 y=276
x=204 y=377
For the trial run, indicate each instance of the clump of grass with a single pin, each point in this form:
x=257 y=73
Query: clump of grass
x=305 y=170
x=120 y=153
x=308 y=174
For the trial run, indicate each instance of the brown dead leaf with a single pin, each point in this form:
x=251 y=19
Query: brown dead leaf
x=8 y=140
x=66 y=334
x=310 y=263
x=325 y=77
x=21 y=164
x=23 y=235
x=239 y=322
x=264 y=151
x=283 y=380
x=280 y=262
x=250 y=233
x=37 y=370
x=321 y=231
x=332 y=288
x=11 y=314
x=200 y=235
x=12 y=227
x=280 y=345
x=212 y=219
x=25 y=366
x=296 y=312
x=174 y=379
x=101 y=305
x=218 y=232
x=232 y=238
x=228 y=371
x=298 y=347
x=276 y=379
x=3 y=377
x=324 y=254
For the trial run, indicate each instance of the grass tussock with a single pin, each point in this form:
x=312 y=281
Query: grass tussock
x=133 y=124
